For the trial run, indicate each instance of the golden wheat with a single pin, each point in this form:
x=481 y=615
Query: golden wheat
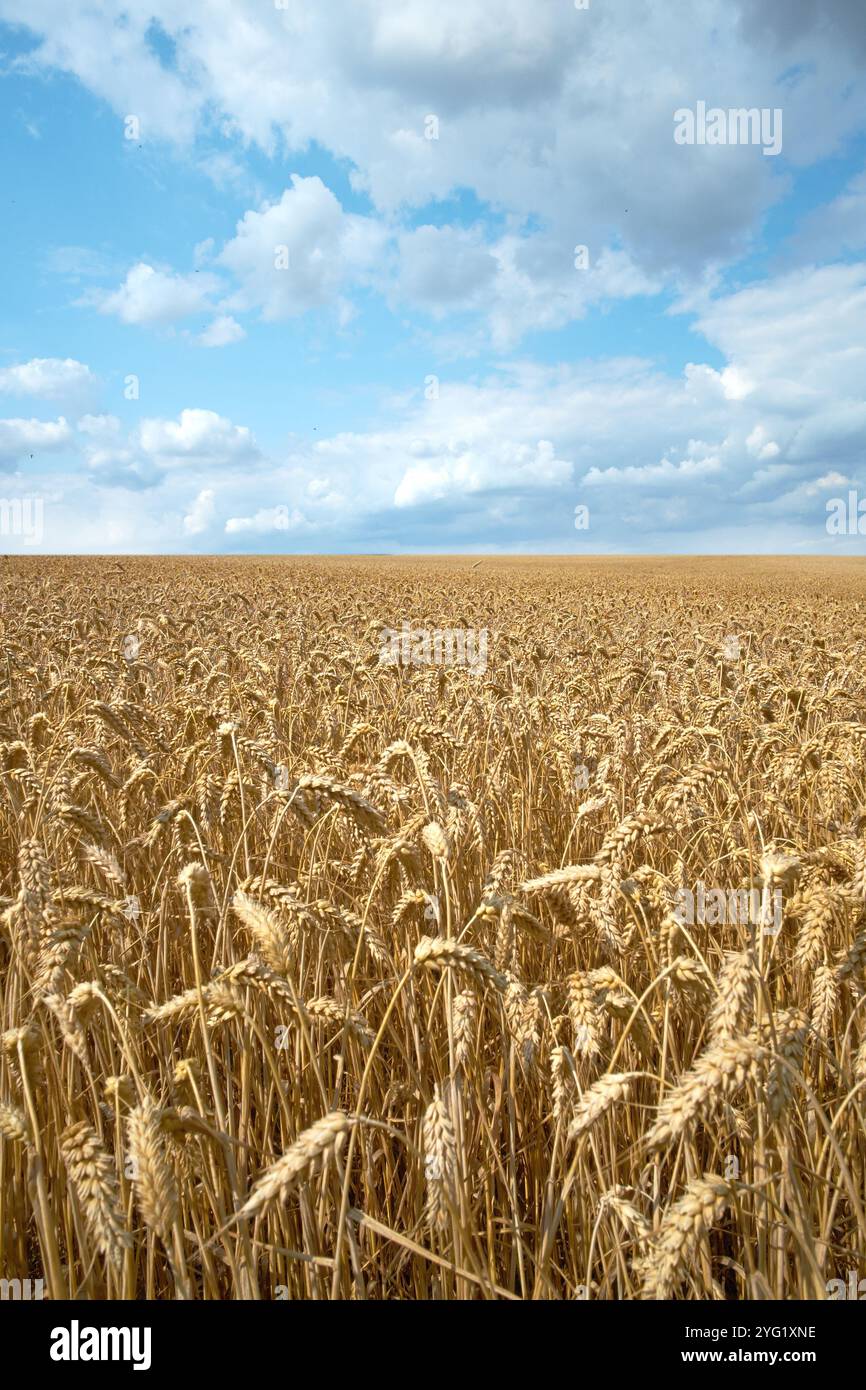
x=360 y=980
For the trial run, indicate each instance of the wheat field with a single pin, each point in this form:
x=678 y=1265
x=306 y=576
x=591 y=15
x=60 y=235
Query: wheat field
x=324 y=977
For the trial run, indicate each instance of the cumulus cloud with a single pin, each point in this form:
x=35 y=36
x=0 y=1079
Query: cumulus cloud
x=112 y=458
x=305 y=252
x=561 y=120
x=24 y=437
x=108 y=49
x=459 y=469
x=198 y=441
x=797 y=342
x=47 y=377
x=512 y=455
x=444 y=266
x=732 y=384
x=267 y=521
x=223 y=331
x=98 y=426
x=299 y=253
x=518 y=283
x=201 y=514
x=156 y=297
x=759 y=446
x=199 y=437
x=654 y=474
x=550 y=113
x=658 y=456
x=553 y=127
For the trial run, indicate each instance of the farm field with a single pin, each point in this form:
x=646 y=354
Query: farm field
x=433 y=928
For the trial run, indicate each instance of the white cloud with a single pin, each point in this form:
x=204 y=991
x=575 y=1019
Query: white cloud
x=458 y=469
x=201 y=514
x=444 y=266
x=47 y=377
x=223 y=331
x=560 y=121
x=267 y=521
x=649 y=474
x=662 y=458
x=199 y=437
x=305 y=252
x=113 y=459
x=759 y=446
x=733 y=384
x=149 y=296
x=300 y=253
x=19 y=437
x=794 y=337
x=519 y=283
x=99 y=426
x=544 y=111
x=198 y=441
x=108 y=50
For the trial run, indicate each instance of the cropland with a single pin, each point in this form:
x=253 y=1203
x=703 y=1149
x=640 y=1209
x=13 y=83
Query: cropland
x=328 y=974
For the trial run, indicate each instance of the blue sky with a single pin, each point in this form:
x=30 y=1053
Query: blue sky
x=281 y=317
